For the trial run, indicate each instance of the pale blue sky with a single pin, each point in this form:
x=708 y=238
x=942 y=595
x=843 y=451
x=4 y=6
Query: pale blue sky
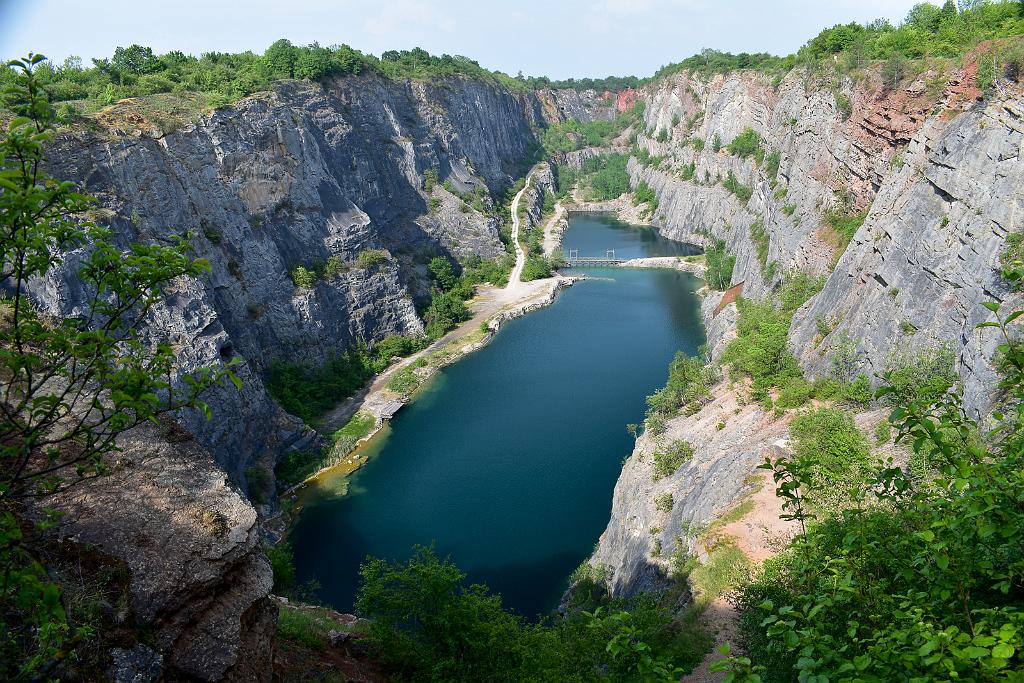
x=553 y=38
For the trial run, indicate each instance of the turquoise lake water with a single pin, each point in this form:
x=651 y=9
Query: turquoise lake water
x=508 y=459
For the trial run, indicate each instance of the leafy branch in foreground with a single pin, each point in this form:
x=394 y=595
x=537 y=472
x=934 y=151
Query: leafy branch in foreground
x=919 y=577
x=72 y=385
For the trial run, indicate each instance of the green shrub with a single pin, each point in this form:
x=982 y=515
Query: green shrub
x=883 y=432
x=742 y=192
x=536 y=268
x=644 y=194
x=309 y=392
x=664 y=502
x=667 y=461
x=760 y=349
x=771 y=165
x=304 y=277
x=745 y=144
x=404 y=382
x=371 y=258
x=445 y=312
x=845 y=223
x=759 y=236
x=716 y=143
x=393 y=346
x=429 y=180
x=334 y=268
x=698 y=144
x=1011 y=258
x=719 y=266
x=823 y=326
x=549 y=202
x=920 y=378
x=662 y=135
x=843 y=105
x=282 y=564
x=690 y=381
x=797 y=287
x=794 y=392
x=476 y=270
x=835 y=453
x=442 y=272
x=357 y=427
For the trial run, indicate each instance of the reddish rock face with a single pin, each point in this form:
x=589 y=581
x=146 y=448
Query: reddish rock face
x=625 y=101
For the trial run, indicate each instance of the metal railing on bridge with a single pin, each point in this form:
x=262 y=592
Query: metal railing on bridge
x=574 y=260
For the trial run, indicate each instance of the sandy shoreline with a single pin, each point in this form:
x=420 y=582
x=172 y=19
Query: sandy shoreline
x=491 y=308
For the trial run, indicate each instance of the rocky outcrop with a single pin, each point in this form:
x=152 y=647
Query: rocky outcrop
x=199 y=579
x=940 y=180
x=300 y=176
x=917 y=271
x=702 y=489
x=931 y=232
x=543 y=183
x=581 y=105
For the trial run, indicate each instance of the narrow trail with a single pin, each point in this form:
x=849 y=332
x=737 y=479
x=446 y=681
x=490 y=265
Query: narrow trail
x=514 y=278
x=552 y=239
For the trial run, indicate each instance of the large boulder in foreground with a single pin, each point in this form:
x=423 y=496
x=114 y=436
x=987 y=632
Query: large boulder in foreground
x=199 y=579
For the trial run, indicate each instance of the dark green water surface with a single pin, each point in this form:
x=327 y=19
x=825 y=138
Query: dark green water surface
x=508 y=459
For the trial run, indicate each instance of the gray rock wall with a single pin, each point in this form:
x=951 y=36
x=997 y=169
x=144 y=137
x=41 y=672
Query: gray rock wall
x=199 y=579
x=942 y=183
x=927 y=255
x=295 y=177
x=941 y=190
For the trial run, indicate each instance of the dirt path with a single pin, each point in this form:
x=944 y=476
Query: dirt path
x=553 y=238
x=485 y=305
x=514 y=279
x=759 y=534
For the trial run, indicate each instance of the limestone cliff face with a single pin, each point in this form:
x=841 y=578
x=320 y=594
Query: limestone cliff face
x=294 y=177
x=199 y=579
x=702 y=489
x=940 y=178
x=927 y=255
x=941 y=192
x=581 y=105
x=301 y=176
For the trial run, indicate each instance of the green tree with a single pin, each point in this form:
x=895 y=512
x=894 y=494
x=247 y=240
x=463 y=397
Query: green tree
x=71 y=385
x=893 y=71
x=281 y=56
x=719 y=266
x=314 y=62
x=446 y=311
x=442 y=272
x=427 y=620
x=135 y=59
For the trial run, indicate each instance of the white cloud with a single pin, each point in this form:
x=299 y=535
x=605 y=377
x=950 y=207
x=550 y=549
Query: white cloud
x=405 y=15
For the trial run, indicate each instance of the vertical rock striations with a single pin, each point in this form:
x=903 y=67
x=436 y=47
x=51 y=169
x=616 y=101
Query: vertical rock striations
x=936 y=178
x=306 y=175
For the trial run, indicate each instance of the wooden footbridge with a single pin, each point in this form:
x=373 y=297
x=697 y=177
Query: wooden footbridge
x=574 y=260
